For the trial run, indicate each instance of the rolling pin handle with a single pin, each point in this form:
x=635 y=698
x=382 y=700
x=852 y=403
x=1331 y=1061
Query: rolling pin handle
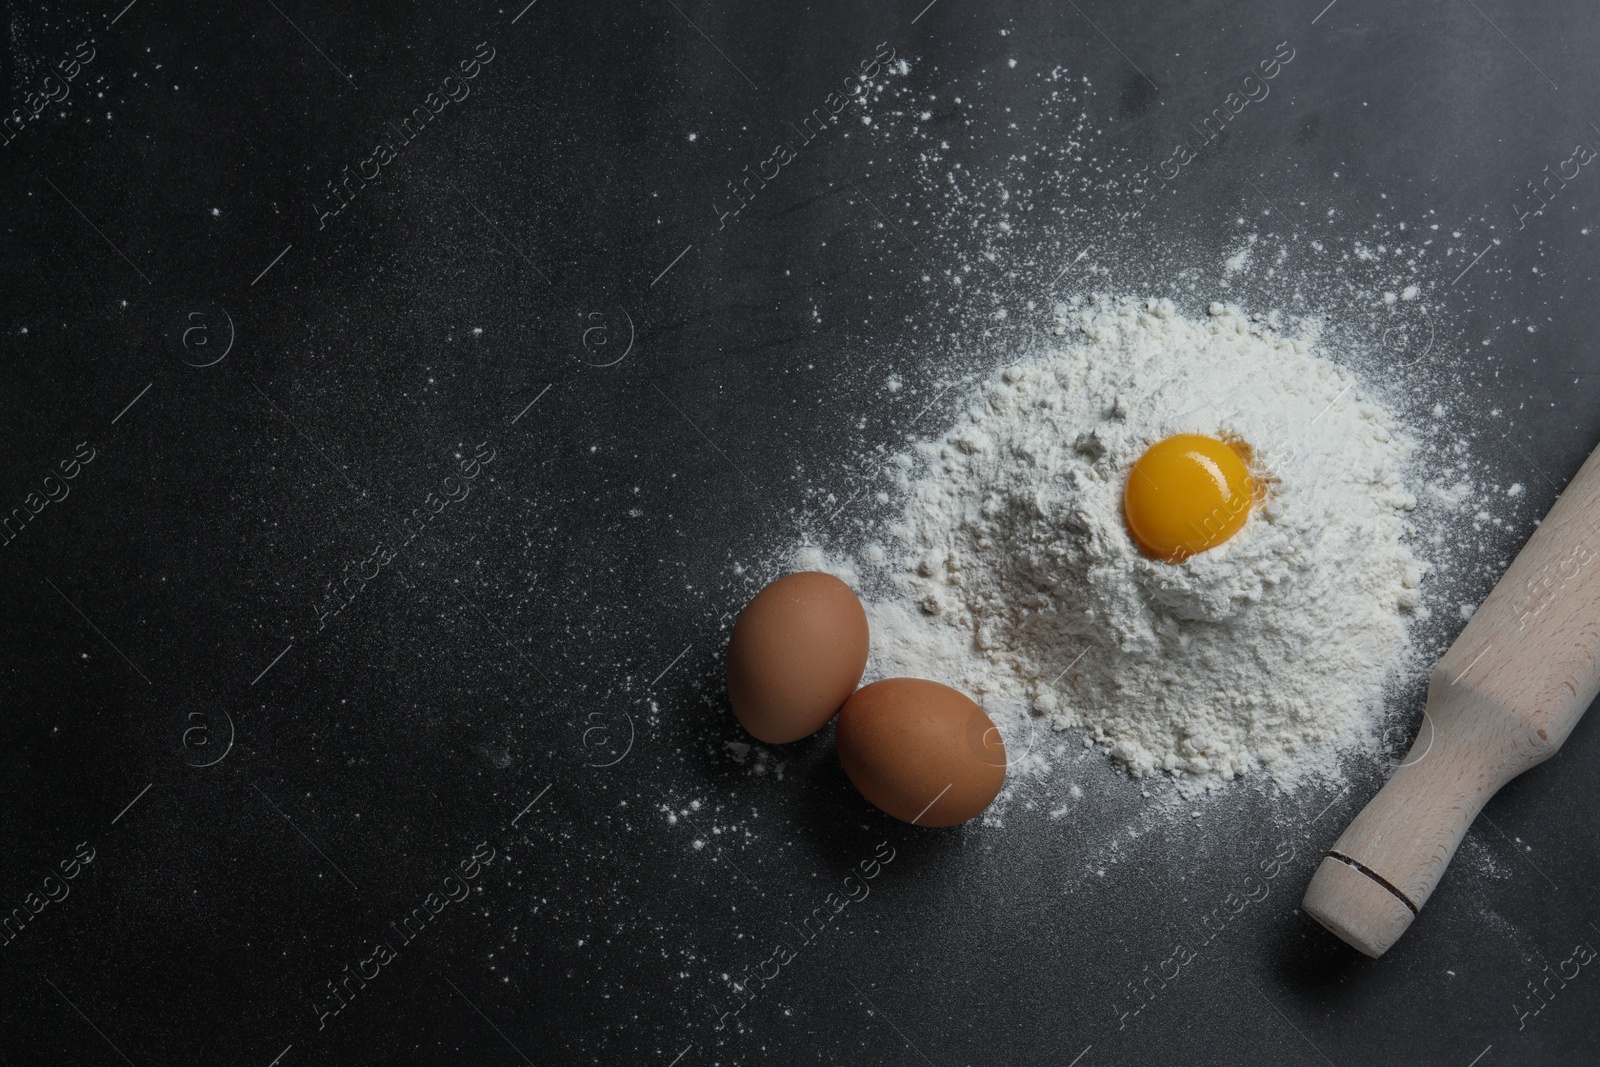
x=1502 y=699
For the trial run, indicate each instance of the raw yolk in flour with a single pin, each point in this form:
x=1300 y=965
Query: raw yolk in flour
x=1186 y=494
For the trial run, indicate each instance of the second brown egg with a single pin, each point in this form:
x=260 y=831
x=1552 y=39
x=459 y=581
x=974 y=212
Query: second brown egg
x=920 y=751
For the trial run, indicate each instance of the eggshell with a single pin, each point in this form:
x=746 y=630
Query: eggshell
x=797 y=652
x=920 y=751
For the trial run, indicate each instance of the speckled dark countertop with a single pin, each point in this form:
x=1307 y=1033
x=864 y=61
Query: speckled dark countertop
x=616 y=403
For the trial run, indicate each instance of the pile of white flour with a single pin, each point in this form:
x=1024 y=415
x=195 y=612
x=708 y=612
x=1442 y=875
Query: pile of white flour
x=1011 y=574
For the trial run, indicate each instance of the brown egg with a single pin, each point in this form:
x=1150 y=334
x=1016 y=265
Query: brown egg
x=796 y=654
x=920 y=751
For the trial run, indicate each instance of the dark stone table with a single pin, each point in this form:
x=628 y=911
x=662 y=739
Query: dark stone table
x=430 y=411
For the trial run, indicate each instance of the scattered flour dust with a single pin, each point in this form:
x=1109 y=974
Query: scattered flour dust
x=1011 y=576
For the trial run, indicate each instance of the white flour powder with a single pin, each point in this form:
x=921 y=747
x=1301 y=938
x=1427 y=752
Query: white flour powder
x=1012 y=577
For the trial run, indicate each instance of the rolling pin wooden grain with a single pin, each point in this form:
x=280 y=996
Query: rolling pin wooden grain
x=1503 y=698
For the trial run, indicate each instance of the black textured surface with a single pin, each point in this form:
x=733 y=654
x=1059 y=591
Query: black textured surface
x=554 y=637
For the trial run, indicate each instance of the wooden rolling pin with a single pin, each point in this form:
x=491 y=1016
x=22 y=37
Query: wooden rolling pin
x=1504 y=698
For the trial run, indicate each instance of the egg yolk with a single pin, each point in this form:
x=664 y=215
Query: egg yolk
x=1186 y=494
